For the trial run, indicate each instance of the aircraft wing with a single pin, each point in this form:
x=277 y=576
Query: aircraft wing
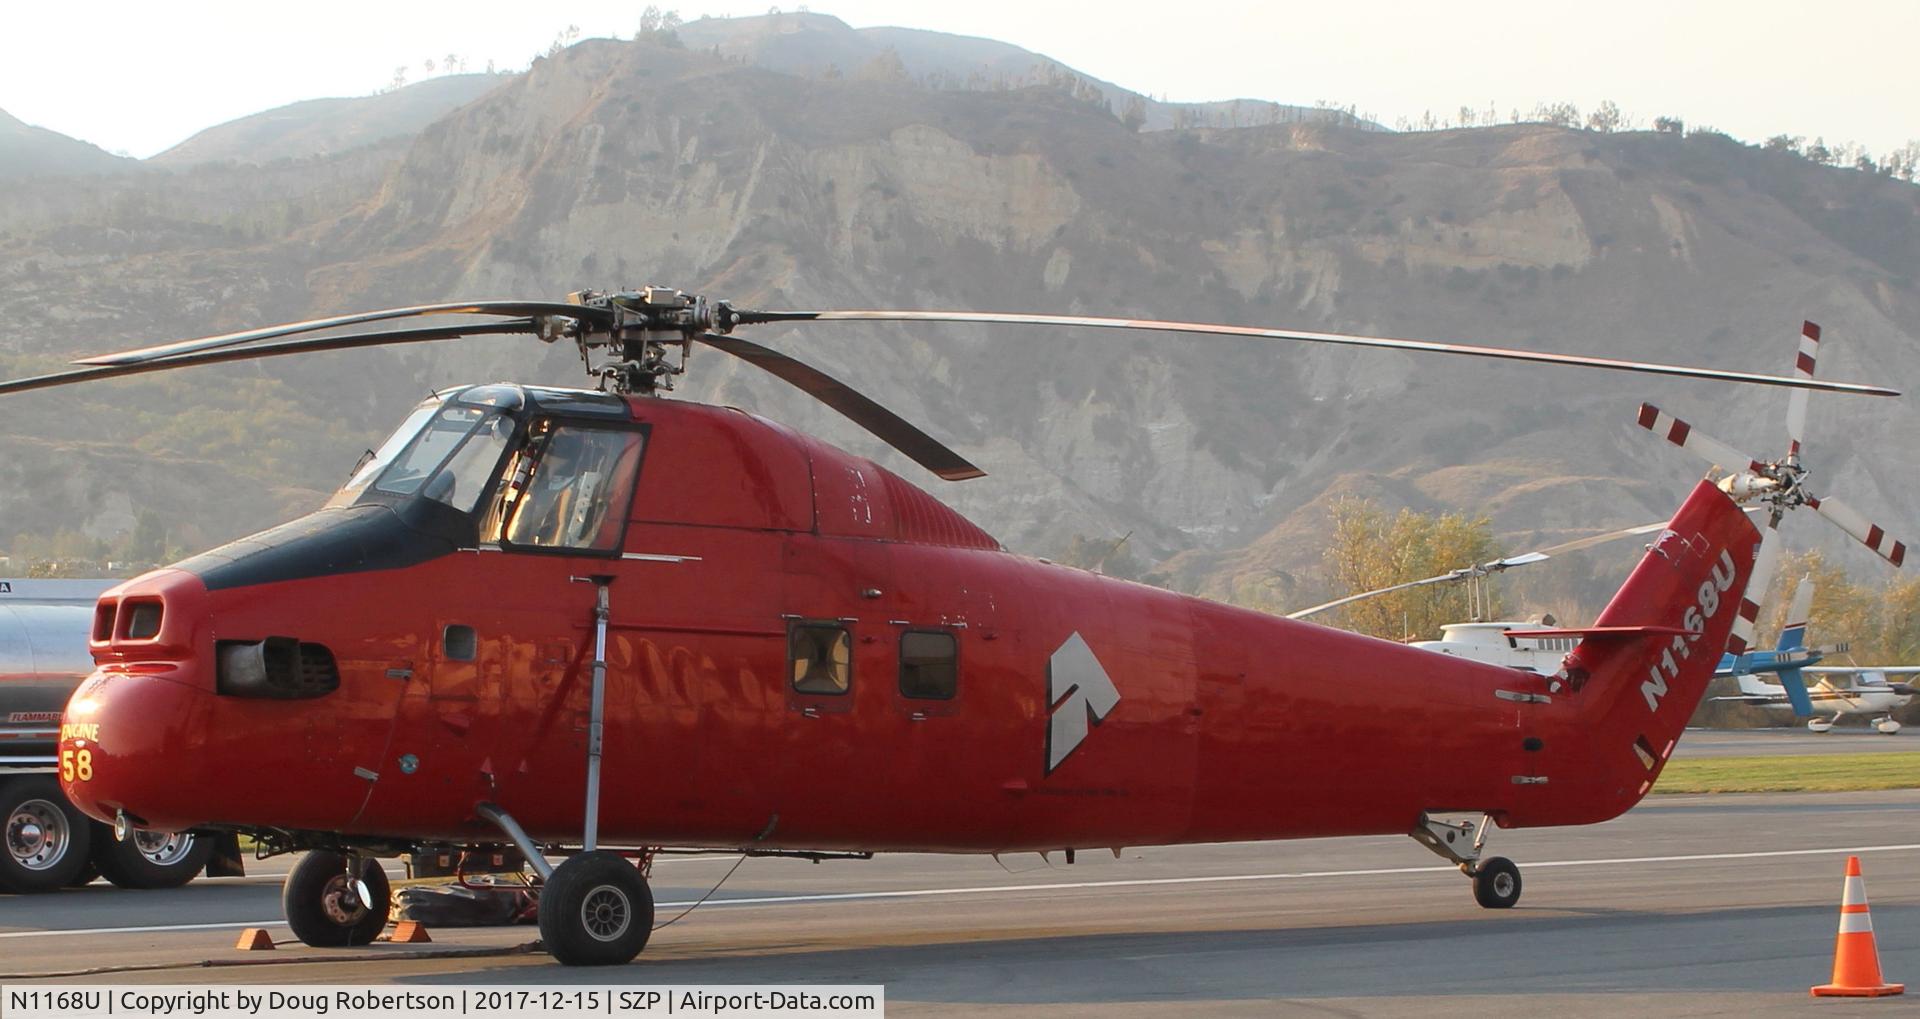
x=1853 y=670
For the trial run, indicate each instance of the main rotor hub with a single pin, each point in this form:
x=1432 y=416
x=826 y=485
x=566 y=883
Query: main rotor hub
x=640 y=329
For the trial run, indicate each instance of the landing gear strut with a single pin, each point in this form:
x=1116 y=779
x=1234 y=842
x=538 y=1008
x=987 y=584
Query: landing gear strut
x=595 y=908
x=1496 y=880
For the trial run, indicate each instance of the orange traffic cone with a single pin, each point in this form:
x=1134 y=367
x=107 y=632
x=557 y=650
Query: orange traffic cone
x=1856 y=962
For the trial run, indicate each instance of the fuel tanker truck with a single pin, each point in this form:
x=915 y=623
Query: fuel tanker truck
x=44 y=625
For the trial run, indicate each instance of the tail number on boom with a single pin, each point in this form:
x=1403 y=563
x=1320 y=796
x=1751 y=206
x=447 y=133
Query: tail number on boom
x=1707 y=605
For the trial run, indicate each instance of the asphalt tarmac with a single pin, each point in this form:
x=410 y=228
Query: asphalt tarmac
x=1851 y=737
x=1721 y=905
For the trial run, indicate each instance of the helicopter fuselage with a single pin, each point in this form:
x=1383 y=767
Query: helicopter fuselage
x=806 y=652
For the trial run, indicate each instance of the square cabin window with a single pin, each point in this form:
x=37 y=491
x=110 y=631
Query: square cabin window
x=929 y=665
x=820 y=658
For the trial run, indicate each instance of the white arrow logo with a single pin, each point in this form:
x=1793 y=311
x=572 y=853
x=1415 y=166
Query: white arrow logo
x=1080 y=693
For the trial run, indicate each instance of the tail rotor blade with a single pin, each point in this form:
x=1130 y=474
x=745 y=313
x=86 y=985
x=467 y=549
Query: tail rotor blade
x=1694 y=441
x=1865 y=531
x=1793 y=636
x=1797 y=400
x=1742 y=637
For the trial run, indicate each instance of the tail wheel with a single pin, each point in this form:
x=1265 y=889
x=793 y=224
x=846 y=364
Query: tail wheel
x=153 y=859
x=1496 y=883
x=324 y=905
x=44 y=840
x=596 y=910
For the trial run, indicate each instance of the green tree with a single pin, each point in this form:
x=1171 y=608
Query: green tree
x=1369 y=550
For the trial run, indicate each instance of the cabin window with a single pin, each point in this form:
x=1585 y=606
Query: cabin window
x=568 y=487
x=820 y=658
x=929 y=665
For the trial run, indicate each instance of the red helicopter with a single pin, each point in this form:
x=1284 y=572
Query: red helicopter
x=591 y=624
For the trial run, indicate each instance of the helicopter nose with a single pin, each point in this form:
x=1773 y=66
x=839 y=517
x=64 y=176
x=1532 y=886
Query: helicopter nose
x=137 y=741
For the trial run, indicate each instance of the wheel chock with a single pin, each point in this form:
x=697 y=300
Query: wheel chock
x=409 y=932
x=255 y=939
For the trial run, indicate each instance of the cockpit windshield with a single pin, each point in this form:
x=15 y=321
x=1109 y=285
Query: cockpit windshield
x=377 y=460
x=444 y=451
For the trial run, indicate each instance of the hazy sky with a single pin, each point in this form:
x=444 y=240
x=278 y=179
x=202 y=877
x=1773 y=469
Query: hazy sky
x=140 y=77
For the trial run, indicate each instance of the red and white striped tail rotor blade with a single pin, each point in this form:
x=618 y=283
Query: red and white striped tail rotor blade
x=1684 y=435
x=1855 y=523
x=1748 y=618
x=1797 y=400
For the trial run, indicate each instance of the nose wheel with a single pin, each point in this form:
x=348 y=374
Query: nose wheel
x=1496 y=879
x=336 y=901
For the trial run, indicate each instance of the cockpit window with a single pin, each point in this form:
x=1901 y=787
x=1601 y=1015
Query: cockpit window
x=467 y=472
x=568 y=487
x=444 y=433
x=378 y=460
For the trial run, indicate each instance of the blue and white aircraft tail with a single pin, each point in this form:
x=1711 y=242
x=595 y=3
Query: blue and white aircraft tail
x=1789 y=655
x=1867 y=690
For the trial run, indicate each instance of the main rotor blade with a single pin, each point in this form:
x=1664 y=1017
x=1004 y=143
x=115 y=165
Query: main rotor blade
x=1797 y=400
x=269 y=332
x=891 y=429
x=1865 y=531
x=349 y=341
x=1627 y=532
x=1428 y=346
x=1362 y=596
x=1484 y=569
x=1699 y=443
x=1601 y=539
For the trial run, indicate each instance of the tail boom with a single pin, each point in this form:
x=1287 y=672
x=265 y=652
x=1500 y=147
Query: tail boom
x=1626 y=691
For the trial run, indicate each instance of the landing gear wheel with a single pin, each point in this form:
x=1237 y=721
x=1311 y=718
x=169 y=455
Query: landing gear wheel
x=44 y=841
x=1496 y=883
x=596 y=910
x=153 y=859
x=323 y=907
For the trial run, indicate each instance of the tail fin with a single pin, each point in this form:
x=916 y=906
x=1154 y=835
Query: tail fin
x=1754 y=686
x=1793 y=636
x=1634 y=693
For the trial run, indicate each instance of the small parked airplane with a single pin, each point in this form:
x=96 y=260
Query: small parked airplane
x=1870 y=694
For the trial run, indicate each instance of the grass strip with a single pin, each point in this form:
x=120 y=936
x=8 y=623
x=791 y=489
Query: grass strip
x=1846 y=772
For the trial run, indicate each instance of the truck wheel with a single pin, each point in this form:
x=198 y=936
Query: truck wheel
x=45 y=839
x=152 y=859
x=323 y=907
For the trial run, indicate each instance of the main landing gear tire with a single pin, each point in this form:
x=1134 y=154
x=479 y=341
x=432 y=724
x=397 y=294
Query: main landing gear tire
x=44 y=840
x=1496 y=883
x=153 y=859
x=323 y=907
x=596 y=910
